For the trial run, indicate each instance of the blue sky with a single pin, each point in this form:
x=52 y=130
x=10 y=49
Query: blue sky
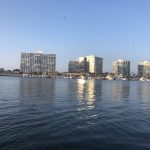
x=110 y=29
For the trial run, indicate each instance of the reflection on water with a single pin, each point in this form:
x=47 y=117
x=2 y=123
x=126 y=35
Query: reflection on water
x=86 y=93
x=29 y=86
x=66 y=114
x=120 y=91
x=144 y=91
x=35 y=92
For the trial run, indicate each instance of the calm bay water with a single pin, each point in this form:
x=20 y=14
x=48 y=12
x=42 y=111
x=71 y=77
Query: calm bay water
x=62 y=114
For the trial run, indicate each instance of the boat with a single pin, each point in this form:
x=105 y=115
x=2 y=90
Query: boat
x=124 y=79
x=108 y=77
x=82 y=81
x=120 y=77
x=148 y=80
x=142 y=79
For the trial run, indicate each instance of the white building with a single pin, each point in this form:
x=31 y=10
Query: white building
x=121 y=68
x=88 y=64
x=144 y=69
x=37 y=63
x=95 y=64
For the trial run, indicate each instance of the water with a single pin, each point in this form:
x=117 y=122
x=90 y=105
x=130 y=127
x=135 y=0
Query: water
x=61 y=114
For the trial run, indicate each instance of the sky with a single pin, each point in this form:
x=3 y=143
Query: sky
x=110 y=29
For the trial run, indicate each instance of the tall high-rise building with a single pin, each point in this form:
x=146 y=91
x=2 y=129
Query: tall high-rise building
x=37 y=63
x=140 y=70
x=87 y=64
x=121 y=67
x=73 y=66
x=95 y=64
x=144 y=69
x=83 y=64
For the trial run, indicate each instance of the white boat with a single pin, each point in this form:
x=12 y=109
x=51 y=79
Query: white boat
x=142 y=79
x=82 y=81
x=124 y=79
x=108 y=77
x=120 y=77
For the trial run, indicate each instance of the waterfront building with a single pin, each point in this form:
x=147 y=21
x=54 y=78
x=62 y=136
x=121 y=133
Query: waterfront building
x=38 y=62
x=87 y=64
x=144 y=69
x=83 y=64
x=140 y=70
x=79 y=65
x=121 y=68
x=73 y=66
x=2 y=70
x=95 y=64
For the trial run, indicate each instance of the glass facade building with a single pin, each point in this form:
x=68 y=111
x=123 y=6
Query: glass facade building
x=87 y=64
x=144 y=69
x=121 y=67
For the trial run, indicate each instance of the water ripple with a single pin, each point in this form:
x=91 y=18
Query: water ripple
x=67 y=115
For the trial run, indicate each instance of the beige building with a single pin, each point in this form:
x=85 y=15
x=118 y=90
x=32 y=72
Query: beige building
x=95 y=64
x=88 y=64
x=121 y=68
x=144 y=69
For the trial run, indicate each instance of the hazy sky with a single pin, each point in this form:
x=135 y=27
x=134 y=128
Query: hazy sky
x=110 y=29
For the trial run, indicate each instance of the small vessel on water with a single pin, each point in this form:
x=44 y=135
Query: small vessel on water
x=121 y=77
x=108 y=77
x=124 y=79
x=82 y=81
x=144 y=79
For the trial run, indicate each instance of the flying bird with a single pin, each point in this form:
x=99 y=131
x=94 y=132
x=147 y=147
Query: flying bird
x=131 y=43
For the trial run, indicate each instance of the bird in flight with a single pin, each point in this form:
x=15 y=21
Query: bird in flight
x=131 y=43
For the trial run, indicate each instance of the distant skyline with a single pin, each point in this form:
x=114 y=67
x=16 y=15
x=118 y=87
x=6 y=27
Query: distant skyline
x=110 y=29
